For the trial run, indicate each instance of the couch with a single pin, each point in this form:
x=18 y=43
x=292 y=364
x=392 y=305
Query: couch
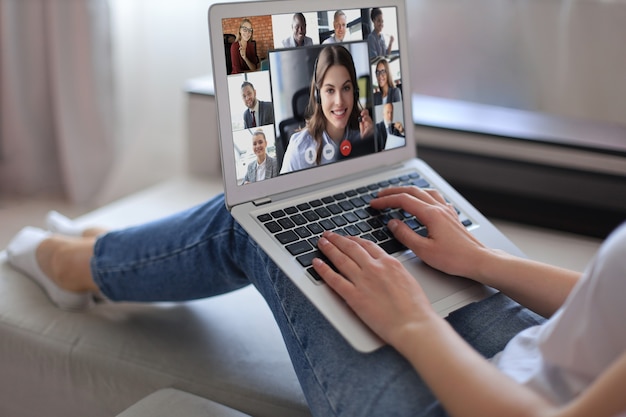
x=222 y=356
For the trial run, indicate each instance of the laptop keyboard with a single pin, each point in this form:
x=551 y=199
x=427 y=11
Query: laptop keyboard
x=348 y=213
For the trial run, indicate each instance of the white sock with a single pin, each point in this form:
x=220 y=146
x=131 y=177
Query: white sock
x=62 y=225
x=21 y=254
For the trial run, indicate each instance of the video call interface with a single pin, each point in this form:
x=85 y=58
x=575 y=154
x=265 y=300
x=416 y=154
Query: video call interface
x=312 y=88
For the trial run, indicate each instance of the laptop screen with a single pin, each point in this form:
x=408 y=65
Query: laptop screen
x=307 y=89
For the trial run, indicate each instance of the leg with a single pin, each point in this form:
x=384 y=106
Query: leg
x=204 y=251
x=34 y=251
x=189 y=255
x=59 y=224
x=65 y=260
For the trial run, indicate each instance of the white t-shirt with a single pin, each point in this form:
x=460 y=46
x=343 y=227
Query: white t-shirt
x=563 y=356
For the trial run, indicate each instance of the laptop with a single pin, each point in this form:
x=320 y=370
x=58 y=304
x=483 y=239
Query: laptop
x=310 y=183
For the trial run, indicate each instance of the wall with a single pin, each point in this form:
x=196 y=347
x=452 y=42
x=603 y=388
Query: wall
x=560 y=57
x=157 y=45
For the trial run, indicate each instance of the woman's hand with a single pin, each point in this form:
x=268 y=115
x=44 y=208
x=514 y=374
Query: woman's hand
x=449 y=247
x=375 y=285
x=366 y=124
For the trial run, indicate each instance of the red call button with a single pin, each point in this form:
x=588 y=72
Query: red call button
x=345 y=147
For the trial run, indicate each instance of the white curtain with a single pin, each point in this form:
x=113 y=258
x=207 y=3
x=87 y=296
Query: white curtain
x=56 y=108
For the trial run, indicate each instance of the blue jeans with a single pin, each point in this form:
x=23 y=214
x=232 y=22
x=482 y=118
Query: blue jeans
x=203 y=252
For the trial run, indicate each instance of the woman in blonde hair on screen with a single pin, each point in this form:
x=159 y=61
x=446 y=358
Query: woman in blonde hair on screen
x=242 y=51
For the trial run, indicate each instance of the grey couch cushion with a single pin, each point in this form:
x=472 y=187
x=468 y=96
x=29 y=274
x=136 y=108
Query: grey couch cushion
x=170 y=402
x=98 y=363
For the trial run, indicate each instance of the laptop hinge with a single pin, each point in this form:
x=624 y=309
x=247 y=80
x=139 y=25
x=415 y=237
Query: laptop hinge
x=262 y=201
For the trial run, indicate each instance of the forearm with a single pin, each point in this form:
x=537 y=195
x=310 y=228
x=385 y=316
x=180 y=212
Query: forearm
x=463 y=381
x=540 y=287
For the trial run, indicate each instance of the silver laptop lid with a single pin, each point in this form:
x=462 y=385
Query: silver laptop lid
x=281 y=78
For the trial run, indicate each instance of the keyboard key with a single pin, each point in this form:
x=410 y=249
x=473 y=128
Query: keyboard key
x=322 y=212
x=392 y=246
x=346 y=205
x=302 y=232
x=299 y=247
x=334 y=208
x=287 y=237
x=327 y=224
x=306 y=260
x=314 y=274
x=291 y=210
x=369 y=237
x=351 y=217
x=303 y=206
x=372 y=211
x=375 y=223
x=315 y=203
x=421 y=182
x=278 y=214
x=339 y=221
x=273 y=227
x=367 y=198
x=313 y=241
x=315 y=228
x=286 y=223
x=357 y=202
x=413 y=224
x=352 y=230
x=264 y=217
x=299 y=219
x=380 y=235
x=311 y=216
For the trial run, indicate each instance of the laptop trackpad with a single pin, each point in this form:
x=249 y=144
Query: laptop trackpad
x=436 y=284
